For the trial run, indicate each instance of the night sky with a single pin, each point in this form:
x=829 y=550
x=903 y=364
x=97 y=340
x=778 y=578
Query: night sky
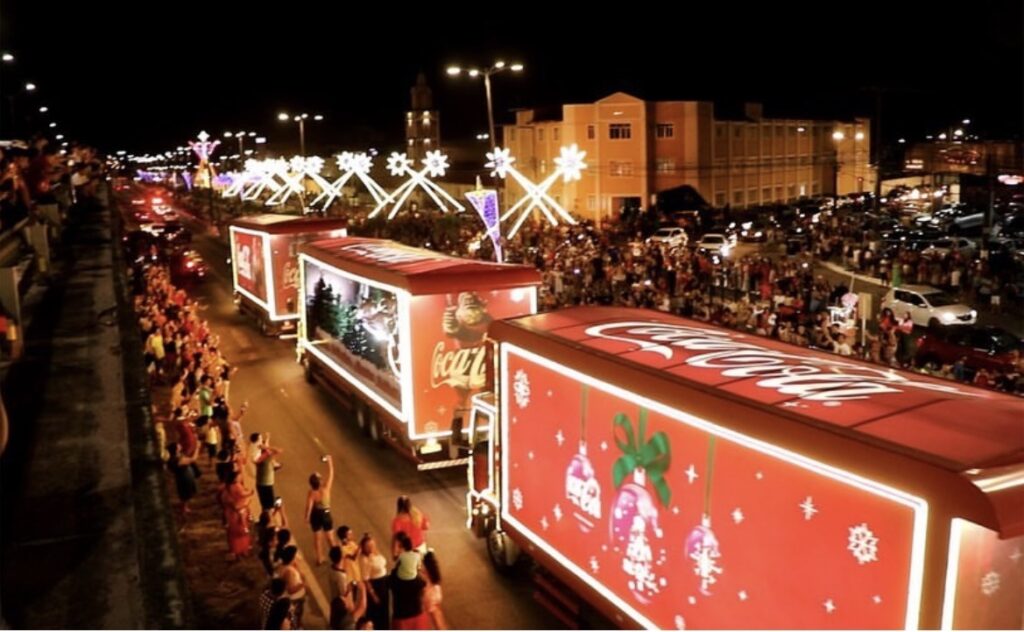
x=148 y=76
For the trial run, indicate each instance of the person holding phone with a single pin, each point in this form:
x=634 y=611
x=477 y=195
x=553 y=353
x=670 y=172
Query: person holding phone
x=318 y=509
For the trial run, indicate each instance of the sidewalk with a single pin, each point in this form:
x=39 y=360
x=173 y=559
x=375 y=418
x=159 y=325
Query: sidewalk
x=76 y=551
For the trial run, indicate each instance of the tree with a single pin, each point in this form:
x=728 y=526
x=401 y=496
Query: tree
x=324 y=310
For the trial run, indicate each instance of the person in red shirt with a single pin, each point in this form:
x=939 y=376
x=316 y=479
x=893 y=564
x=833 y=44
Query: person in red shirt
x=412 y=522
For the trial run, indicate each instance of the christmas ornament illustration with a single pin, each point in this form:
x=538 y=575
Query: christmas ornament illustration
x=702 y=545
x=581 y=486
x=634 y=518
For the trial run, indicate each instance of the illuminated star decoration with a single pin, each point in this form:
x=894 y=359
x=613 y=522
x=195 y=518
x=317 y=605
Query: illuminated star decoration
x=204 y=171
x=352 y=164
x=435 y=165
x=568 y=165
x=300 y=168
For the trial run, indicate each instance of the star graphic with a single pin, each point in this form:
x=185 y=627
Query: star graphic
x=604 y=446
x=808 y=508
x=558 y=513
x=1016 y=555
x=758 y=476
x=692 y=600
x=529 y=455
x=691 y=473
x=594 y=566
x=550 y=393
x=570 y=162
x=560 y=438
x=877 y=599
x=544 y=522
x=742 y=595
x=830 y=606
x=737 y=515
x=499 y=161
x=675 y=511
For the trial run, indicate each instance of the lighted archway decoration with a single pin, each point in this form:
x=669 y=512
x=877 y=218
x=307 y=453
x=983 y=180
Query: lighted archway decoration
x=356 y=165
x=568 y=165
x=435 y=165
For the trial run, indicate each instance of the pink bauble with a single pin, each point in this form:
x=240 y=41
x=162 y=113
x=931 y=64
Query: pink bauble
x=701 y=537
x=631 y=500
x=583 y=490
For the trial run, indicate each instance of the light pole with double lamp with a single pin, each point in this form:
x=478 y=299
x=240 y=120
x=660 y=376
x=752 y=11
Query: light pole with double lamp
x=499 y=66
x=301 y=120
x=837 y=137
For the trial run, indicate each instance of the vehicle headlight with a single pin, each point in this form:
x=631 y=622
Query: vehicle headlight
x=758 y=234
x=947 y=317
x=725 y=251
x=974 y=313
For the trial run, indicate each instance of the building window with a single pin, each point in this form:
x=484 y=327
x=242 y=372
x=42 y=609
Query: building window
x=778 y=194
x=591 y=202
x=665 y=165
x=664 y=130
x=543 y=166
x=620 y=168
x=620 y=131
x=803 y=190
x=766 y=195
x=591 y=132
x=512 y=134
x=815 y=189
x=752 y=196
x=540 y=133
x=791 y=191
x=737 y=197
x=554 y=134
x=792 y=131
x=719 y=130
x=720 y=199
x=737 y=131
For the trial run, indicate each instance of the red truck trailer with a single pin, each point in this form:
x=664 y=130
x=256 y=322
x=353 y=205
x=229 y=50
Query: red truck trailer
x=264 y=264
x=674 y=474
x=399 y=333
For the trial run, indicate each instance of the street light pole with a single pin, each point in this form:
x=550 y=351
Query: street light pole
x=302 y=135
x=499 y=66
x=490 y=109
x=837 y=137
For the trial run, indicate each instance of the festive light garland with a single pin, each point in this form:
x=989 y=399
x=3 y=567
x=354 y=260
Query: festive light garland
x=266 y=173
x=435 y=164
x=204 y=171
x=352 y=164
x=568 y=165
x=294 y=174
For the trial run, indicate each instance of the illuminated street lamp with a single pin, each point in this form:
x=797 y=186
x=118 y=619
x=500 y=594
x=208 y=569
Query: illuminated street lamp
x=499 y=66
x=30 y=87
x=837 y=137
x=240 y=136
x=8 y=58
x=301 y=120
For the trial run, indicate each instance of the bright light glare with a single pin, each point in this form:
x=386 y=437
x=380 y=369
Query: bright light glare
x=838 y=135
x=516 y=67
x=454 y=70
x=283 y=116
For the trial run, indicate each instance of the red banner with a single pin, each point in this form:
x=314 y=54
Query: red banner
x=286 y=272
x=250 y=268
x=680 y=525
x=450 y=360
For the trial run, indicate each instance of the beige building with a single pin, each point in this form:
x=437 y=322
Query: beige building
x=636 y=149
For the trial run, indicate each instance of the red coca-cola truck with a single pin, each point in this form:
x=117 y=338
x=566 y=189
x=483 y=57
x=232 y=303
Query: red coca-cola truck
x=669 y=474
x=399 y=333
x=264 y=264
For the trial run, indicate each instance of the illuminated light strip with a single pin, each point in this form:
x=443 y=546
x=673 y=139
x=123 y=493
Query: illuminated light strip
x=1000 y=482
x=333 y=190
x=436 y=164
x=918 y=505
x=956 y=526
x=270 y=305
x=568 y=165
x=400 y=415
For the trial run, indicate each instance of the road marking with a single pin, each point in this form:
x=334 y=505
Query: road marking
x=313 y=583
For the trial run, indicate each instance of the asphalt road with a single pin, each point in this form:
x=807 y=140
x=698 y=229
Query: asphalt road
x=307 y=422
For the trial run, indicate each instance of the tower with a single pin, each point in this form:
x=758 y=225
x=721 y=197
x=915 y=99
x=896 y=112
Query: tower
x=422 y=124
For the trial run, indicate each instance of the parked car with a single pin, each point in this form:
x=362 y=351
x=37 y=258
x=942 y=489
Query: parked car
x=928 y=306
x=943 y=247
x=715 y=243
x=674 y=236
x=989 y=348
x=187 y=266
x=755 y=231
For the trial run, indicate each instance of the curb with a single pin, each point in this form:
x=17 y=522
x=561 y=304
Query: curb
x=838 y=269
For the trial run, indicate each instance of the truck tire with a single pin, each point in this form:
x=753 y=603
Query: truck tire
x=502 y=550
x=307 y=370
x=362 y=416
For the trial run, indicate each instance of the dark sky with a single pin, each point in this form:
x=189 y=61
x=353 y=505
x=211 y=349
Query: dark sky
x=147 y=76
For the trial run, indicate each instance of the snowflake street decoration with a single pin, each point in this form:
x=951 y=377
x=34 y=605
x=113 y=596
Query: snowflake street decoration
x=863 y=544
x=499 y=161
x=435 y=165
x=808 y=508
x=517 y=498
x=990 y=583
x=265 y=174
x=521 y=389
x=356 y=165
x=297 y=170
x=568 y=166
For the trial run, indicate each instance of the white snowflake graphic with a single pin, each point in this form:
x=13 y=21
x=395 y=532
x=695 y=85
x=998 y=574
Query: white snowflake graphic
x=863 y=544
x=691 y=473
x=691 y=600
x=680 y=622
x=517 y=498
x=499 y=161
x=558 y=512
x=604 y=446
x=737 y=515
x=830 y=606
x=809 y=509
x=436 y=163
x=1016 y=555
x=570 y=162
x=758 y=476
x=559 y=438
x=529 y=455
x=521 y=389
x=544 y=522
x=990 y=583
x=594 y=566
x=398 y=163
x=877 y=599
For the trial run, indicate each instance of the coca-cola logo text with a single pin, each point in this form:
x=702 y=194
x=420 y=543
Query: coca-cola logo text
x=459 y=368
x=803 y=376
x=245 y=262
x=388 y=254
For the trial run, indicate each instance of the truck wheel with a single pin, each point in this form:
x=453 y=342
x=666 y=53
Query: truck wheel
x=504 y=553
x=307 y=370
x=374 y=429
x=362 y=416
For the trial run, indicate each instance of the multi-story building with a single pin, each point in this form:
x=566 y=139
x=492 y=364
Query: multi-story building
x=637 y=149
x=422 y=123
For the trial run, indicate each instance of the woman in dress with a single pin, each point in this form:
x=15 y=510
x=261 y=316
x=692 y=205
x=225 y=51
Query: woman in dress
x=374 y=569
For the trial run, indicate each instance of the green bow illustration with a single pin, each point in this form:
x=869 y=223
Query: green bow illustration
x=653 y=455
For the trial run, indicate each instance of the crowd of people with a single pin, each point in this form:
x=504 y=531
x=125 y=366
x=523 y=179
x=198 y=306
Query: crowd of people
x=205 y=434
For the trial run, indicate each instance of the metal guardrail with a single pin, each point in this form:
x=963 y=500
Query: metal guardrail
x=10 y=242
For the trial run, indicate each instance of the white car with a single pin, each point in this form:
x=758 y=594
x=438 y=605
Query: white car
x=928 y=306
x=943 y=247
x=715 y=243
x=674 y=237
